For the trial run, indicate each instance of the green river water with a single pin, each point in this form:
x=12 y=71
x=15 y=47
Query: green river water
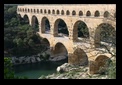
x=35 y=70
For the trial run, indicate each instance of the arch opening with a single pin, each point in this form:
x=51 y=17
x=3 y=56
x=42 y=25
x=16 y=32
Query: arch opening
x=26 y=19
x=60 y=52
x=31 y=10
x=34 y=10
x=35 y=23
x=88 y=13
x=105 y=34
x=45 y=11
x=106 y=14
x=46 y=43
x=97 y=13
x=41 y=11
x=58 y=12
x=80 y=57
x=45 y=25
x=37 y=10
x=67 y=13
x=28 y=10
x=53 y=12
x=80 y=13
x=60 y=28
x=73 y=12
x=80 y=30
x=102 y=62
x=49 y=11
x=62 y=12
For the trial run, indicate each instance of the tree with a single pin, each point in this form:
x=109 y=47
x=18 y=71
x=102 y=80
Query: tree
x=8 y=70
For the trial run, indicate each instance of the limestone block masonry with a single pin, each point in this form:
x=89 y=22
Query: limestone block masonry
x=91 y=14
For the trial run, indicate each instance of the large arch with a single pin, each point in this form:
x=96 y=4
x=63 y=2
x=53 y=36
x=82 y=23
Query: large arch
x=102 y=61
x=80 y=29
x=104 y=33
x=19 y=17
x=60 y=27
x=60 y=51
x=26 y=19
x=45 y=25
x=46 y=42
x=79 y=57
x=35 y=23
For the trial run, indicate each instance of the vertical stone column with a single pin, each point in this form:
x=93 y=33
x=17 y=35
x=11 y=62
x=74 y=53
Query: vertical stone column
x=30 y=22
x=71 y=58
x=40 y=28
x=73 y=35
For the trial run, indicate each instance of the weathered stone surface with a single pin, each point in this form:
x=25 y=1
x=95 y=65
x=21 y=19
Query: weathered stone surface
x=93 y=67
x=75 y=56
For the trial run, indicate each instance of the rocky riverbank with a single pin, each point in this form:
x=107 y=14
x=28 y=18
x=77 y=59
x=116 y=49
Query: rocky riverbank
x=34 y=59
x=67 y=71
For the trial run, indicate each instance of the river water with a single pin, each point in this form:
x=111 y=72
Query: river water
x=35 y=70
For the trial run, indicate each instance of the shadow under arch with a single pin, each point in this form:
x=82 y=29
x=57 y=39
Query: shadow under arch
x=60 y=26
x=79 y=57
x=106 y=33
x=80 y=29
x=46 y=42
x=102 y=61
x=45 y=25
x=59 y=48
x=35 y=23
x=26 y=19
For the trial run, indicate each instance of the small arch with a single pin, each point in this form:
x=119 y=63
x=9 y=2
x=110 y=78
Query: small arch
x=62 y=12
x=106 y=14
x=41 y=11
x=58 y=12
x=73 y=12
x=97 y=13
x=31 y=10
x=45 y=11
x=37 y=10
x=88 y=13
x=28 y=10
x=34 y=11
x=23 y=9
x=49 y=11
x=80 y=13
x=53 y=12
x=67 y=12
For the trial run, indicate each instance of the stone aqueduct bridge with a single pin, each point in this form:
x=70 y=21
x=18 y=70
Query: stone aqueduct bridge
x=91 y=14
